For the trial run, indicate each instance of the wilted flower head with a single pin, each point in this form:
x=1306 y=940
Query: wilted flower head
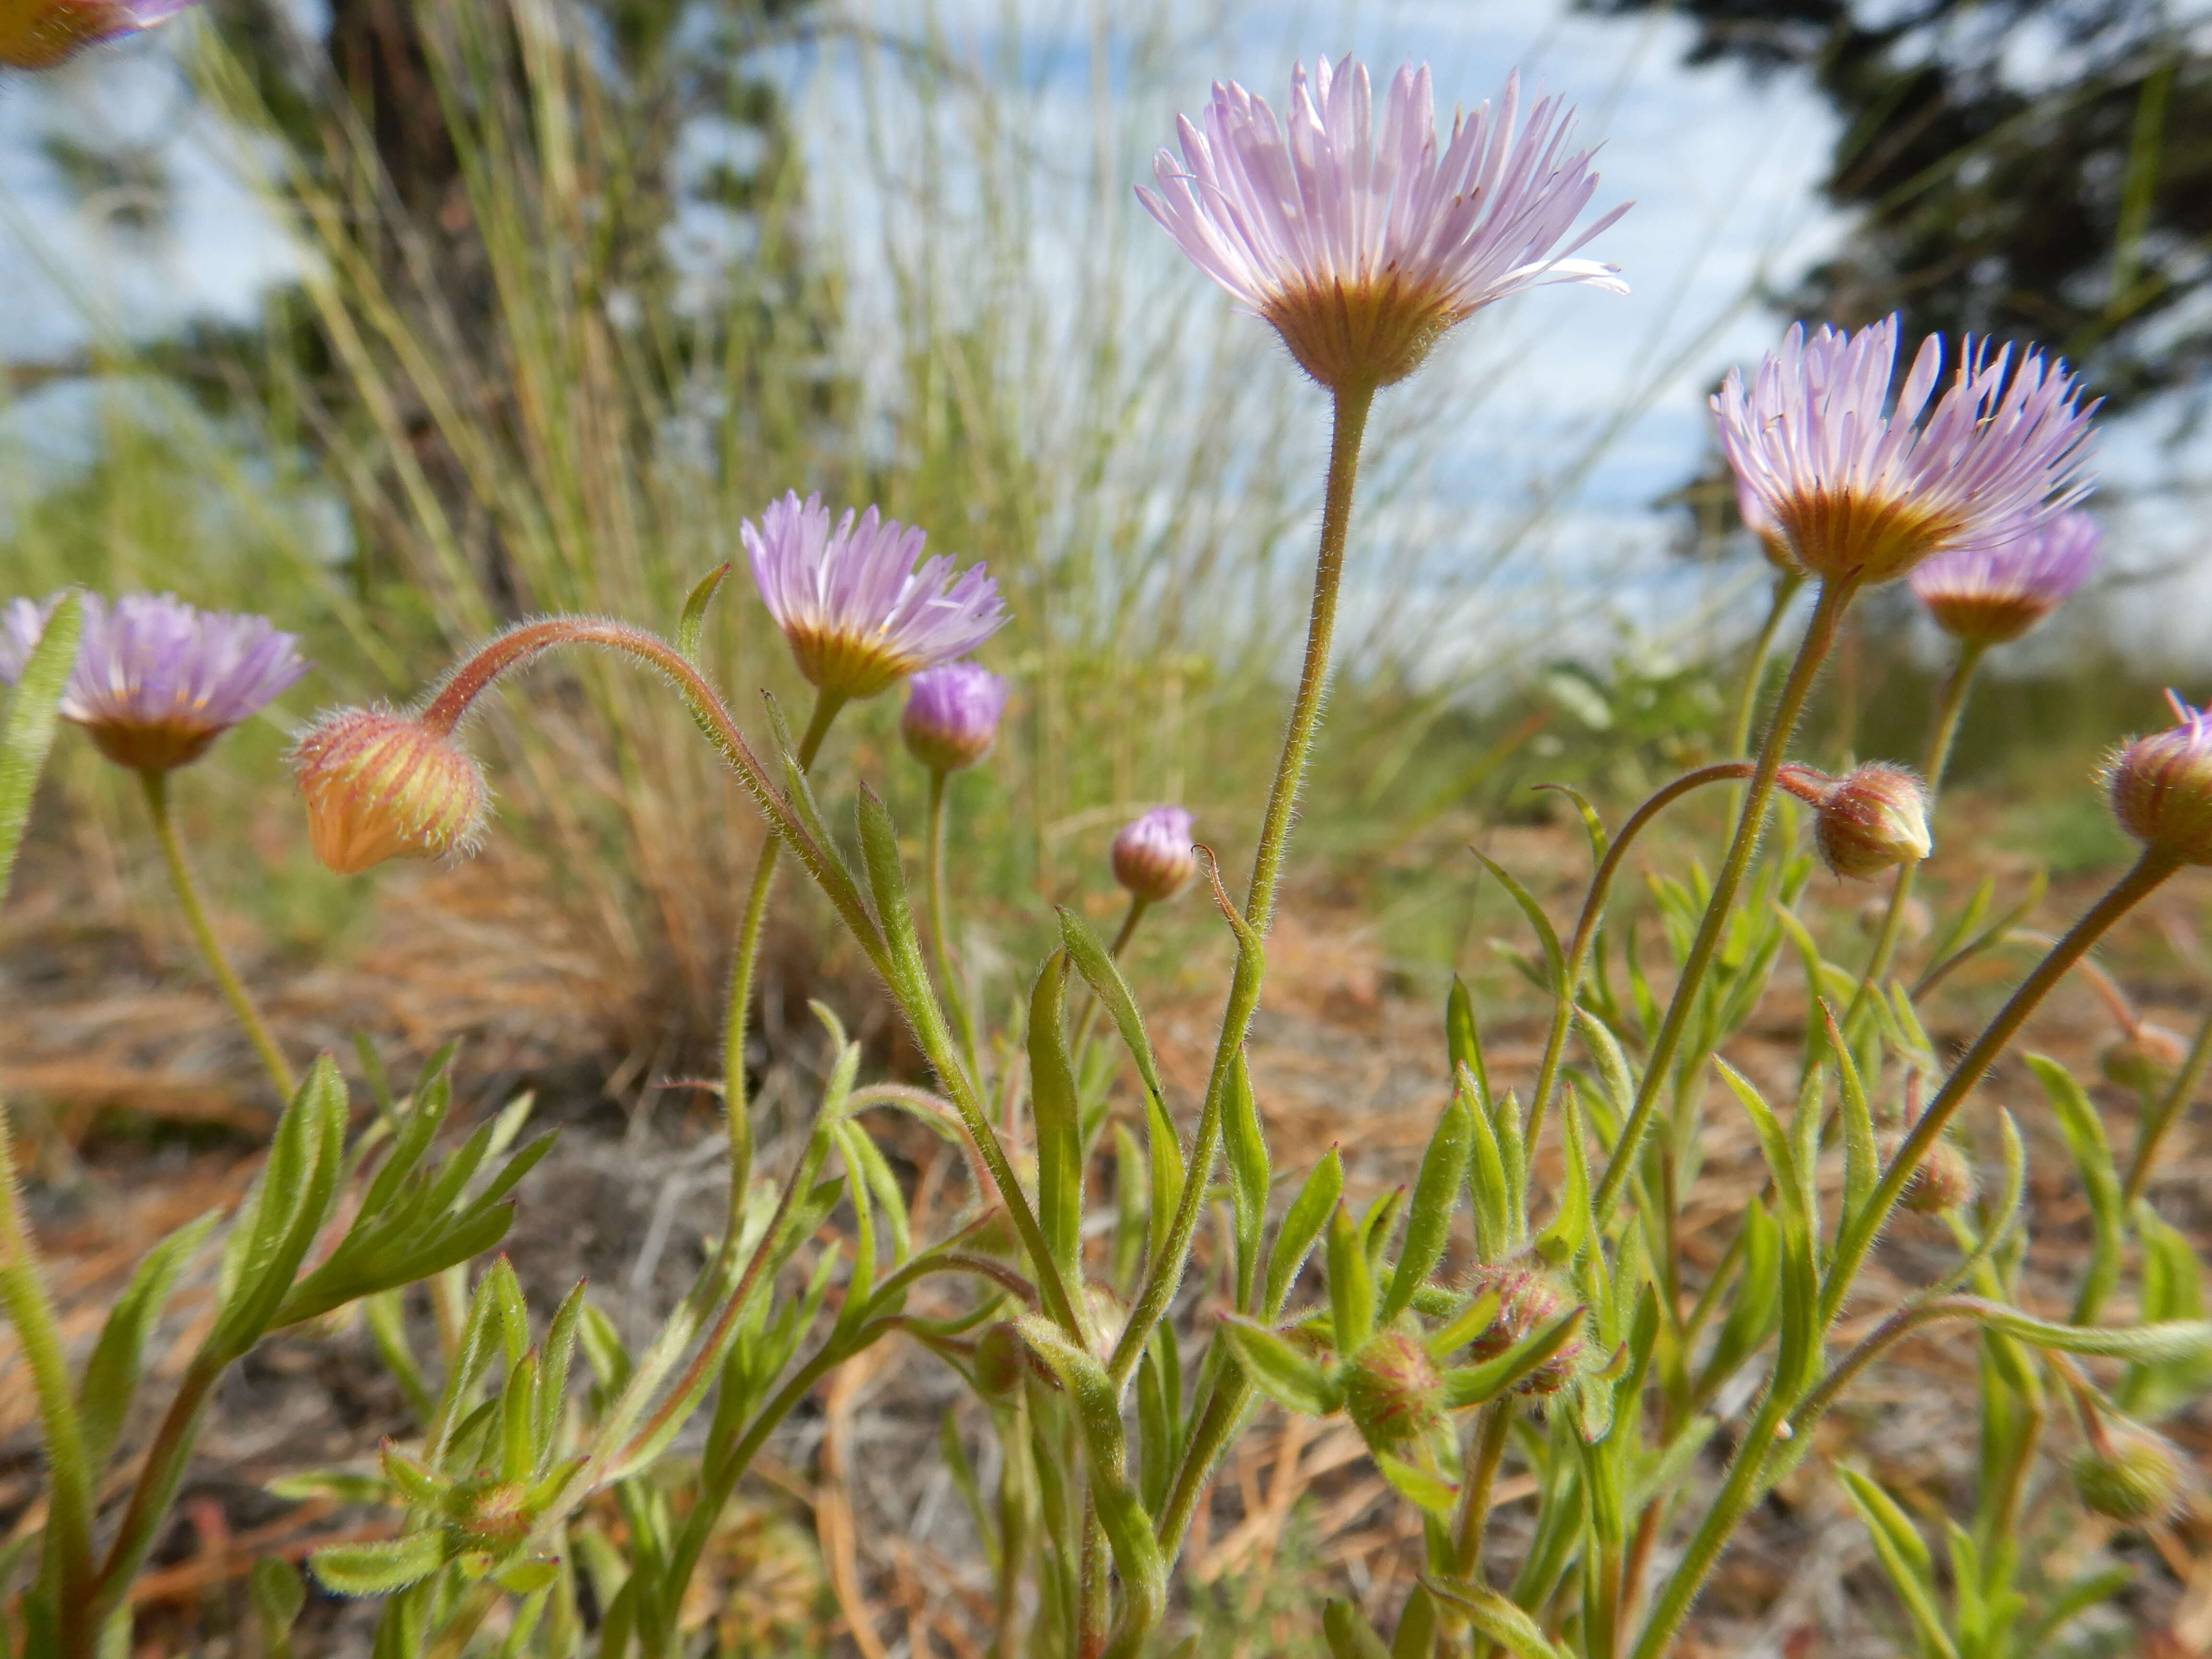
x=1862 y=490
x=1152 y=855
x=1528 y=1303
x=2161 y=785
x=157 y=681
x=1363 y=252
x=382 y=784
x=38 y=34
x=858 y=614
x=1991 y=595
x=951 y=715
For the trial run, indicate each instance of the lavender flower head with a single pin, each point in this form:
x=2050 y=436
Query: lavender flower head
x=38 y=34
x=2160 y=786
x=1152 y=855
x=1363 y=251
x=951 y=715
x=157 y=681
x=1991 y=595
x=859 y=615
x=1862 y=490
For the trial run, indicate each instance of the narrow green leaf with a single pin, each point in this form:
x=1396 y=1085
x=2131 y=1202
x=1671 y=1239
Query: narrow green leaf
x=689 y=625
x=2166 y=1341
x=1471 y=1385
x=2084 y=1130
x=27 y=730
x=1302 y=1224
x=1430 y=1493
x=1862 y=1151
x=1555 y=960
x=1436 y=1196
x=1351 y=1285
x=278 y=1596
x=1249 y=1176
x=1799 y=1354
x=1059 y=1130
x=1489 y=1192
x=1348 y=1633
x=1102 y=974
x=1287 y=1376
x=1463 y=1040
x=1495 y=1617
x=110 y=1375
x=1903 y=1557
x=378 y=1569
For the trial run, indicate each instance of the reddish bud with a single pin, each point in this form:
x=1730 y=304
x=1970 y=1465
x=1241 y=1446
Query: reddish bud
x=2160 y=786
x=1945 y=1180
x=1153 y=856
x=1873 y=818
x=1394 y=1392
x=381 y=784
x=1527 y=1303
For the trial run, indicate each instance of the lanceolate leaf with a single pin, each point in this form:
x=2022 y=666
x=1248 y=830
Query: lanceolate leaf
x=1059 y=1132
x=26 y=731
x=1279 y=1370
x=1302 y=1224
x=379 y=1569
x=2084 y=1129
x=110 y=1375
x=1246 y=1144
x=1436 y=1197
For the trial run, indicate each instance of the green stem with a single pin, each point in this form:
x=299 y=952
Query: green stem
x=1353 y=403
x=1482 y=1477
x=1786 y=584
x=1949 y=706
x=156 y=784
x=746 y=958
x=69 y=1469
x=1563 y=1011
x=1741 y=1488
x=940 y=947
x=2151 y=1133
x=1820 y=636
x=1857 y=1238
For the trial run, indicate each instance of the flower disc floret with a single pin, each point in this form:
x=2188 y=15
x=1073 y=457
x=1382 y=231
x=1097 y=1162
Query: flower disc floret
x=1364 y=250
x=2160 y=785
x=952 y=717
x=859 y=611
x=1992 y=595
x=1152 y=855
x=1864 y=489
x=157 y=681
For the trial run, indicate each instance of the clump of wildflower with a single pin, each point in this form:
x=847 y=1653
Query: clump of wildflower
x=952 y=717
x=2160 y=786
x=1944 y=1181
x=1988 y=596
x=1863 y=490
x=1394 y=1392
x=41 y=35
x=157 y=681
x=1364 y=251
x=860 y=613
x=1153 y=857
x=382 y=784
x=1528 y=1303
x=2129 y=1474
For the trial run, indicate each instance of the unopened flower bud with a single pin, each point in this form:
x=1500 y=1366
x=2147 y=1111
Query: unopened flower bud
x=2161 y=787
x=380 y=785
x=1153 y=856
x=1873 y=818
x=1394 y=1392
x=1527 y=1303
x=1944 y=1181
x=2133 y=1476
x=952 y=715
x=2146 y=1057
x=1001 y=1356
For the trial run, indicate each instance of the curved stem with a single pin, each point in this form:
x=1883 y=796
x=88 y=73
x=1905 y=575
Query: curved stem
x=69 y=1474
x=1563 y=1012
x=156 y=785
x=1949 y=706
x=744 y=960
x=1820 y=636
x=1857 y=1238
x=1786 y=584
x=2155 y=1123
x=1353 y=403
x=940 y=946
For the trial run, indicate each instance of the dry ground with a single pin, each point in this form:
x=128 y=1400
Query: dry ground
x=138 y=1109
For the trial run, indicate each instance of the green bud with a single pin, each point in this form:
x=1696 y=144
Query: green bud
x=2133 y=1476
x=1394 y=1391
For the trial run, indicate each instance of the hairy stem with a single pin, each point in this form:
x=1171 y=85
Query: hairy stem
x=69 y=1469
x=1786 y=584
x=1949 y=705
x=156 y=785
x=1563 y=1011
x=1819 y=636
x=744 y=961
x=940 y=943
x=1353 y=403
